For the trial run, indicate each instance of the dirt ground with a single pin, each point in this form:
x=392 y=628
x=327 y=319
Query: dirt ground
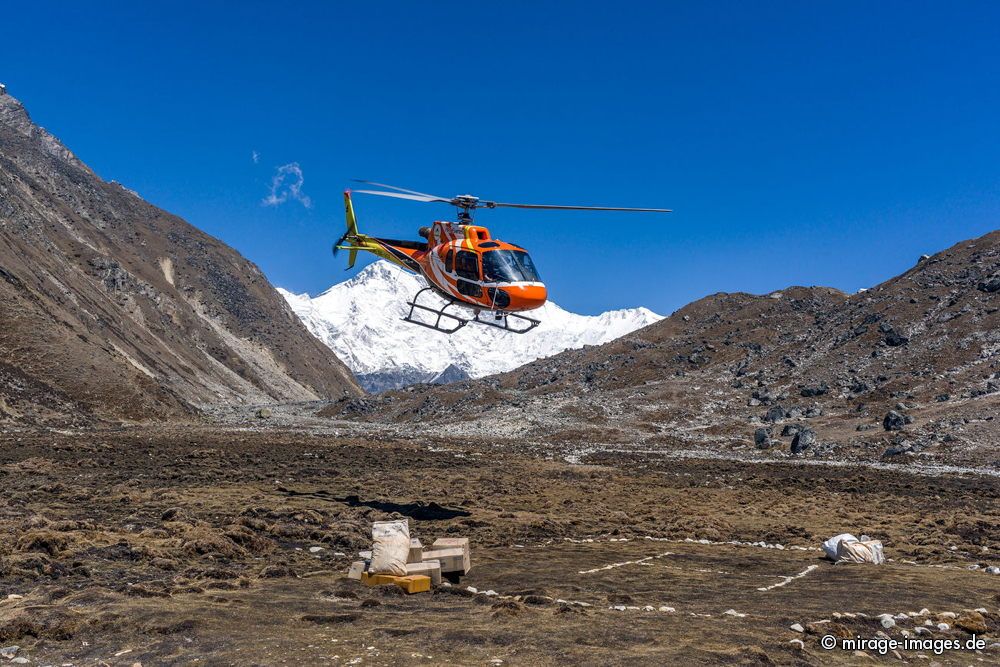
x=222 y=546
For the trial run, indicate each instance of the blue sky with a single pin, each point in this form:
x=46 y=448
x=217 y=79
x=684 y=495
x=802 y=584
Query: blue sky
x=799 y=143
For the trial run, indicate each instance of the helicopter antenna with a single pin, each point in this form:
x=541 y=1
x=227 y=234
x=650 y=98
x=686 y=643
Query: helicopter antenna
x=469 y=203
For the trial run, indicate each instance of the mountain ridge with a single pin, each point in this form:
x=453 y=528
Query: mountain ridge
x=114 y=309
x=738 y=372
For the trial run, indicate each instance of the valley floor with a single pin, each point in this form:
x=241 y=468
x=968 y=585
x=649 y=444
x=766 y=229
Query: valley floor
x=223 y=545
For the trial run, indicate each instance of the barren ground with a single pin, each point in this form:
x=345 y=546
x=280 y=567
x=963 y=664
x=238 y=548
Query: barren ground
x=191 y=544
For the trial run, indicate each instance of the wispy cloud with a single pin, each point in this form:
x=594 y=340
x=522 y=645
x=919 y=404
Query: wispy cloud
x=286 y=185
x=255 y=156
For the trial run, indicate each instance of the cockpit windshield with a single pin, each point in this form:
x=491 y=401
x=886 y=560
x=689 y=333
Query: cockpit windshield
x=509 y=266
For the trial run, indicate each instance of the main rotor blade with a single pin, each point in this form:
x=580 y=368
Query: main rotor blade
x=494 y=204
x=394 y=187
x=399 y=195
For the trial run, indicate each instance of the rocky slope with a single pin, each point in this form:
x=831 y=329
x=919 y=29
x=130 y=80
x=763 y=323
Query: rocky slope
x=360 y=320
x=745 y=372
x=112 y=308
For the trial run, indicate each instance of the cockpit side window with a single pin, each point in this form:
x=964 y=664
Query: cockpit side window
x=467 y=265
x=449 y=261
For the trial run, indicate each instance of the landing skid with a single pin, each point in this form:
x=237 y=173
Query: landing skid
x=505 y=318
x=502 y=321
x=460 y=321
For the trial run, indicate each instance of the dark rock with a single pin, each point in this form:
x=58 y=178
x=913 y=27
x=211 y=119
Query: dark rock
x=775 y=414
x=895 y=339
x=990 y=285
x=813 y=411
x=803 y=440
x=893 y=421
x=814 y=390
x=791 y=429
x=941 y=398
x=762 y=438
x=865 y=427
x=897 y=450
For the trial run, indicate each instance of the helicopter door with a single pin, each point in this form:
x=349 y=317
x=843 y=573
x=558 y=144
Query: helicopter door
x=467 y=267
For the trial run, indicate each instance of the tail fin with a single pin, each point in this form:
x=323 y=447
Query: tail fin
x=352 y=228
x=352 y=222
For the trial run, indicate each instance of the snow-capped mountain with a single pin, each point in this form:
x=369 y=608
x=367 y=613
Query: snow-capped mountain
x=360 y=320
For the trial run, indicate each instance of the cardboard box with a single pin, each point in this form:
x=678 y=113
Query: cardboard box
x=451 y=543
x=452 y=560
x=413 y=583
x=456 y=543
x=429 y=568
x=416 y=554
x=358 y=568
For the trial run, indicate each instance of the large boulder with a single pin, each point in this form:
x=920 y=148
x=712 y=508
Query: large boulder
x=812 y=390
x=893 y=421
x=803 y=440
x=775 y=414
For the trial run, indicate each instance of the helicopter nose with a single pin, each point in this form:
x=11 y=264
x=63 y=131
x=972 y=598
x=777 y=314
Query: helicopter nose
x=528 y=297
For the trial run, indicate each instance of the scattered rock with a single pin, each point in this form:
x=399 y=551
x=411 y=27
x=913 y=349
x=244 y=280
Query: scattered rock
x=775 y=414
x=791 y=429
x=809 y=391
x=9 y=652
x=803 y=440
x=990 y=285
x=264 y=413
x=896 y=450
x=762 y=438
x=972 y=622
x=797 y=627
x=893 y=421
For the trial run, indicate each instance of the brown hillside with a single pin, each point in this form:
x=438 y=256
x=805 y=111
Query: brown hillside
x=110 y=307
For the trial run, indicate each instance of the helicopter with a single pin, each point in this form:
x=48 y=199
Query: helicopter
x=462 y=262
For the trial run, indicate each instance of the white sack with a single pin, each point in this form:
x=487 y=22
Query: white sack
x=830 y=546
x=869 y=551
x=391 y=547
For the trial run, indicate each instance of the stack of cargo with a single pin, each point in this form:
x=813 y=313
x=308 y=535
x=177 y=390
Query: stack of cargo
x=417 y=569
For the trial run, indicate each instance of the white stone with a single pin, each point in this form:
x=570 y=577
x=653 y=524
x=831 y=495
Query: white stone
x=943 y=627
x=667 y=609
x=887 y=621
x=733 y=612
x=797 y=627
x=316 y=550
x=797 y=643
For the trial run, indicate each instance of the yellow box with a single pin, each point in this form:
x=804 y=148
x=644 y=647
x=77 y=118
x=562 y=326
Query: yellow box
x=413 y=583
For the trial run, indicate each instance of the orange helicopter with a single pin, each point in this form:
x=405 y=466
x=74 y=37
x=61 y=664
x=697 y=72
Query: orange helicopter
x=462 y=262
